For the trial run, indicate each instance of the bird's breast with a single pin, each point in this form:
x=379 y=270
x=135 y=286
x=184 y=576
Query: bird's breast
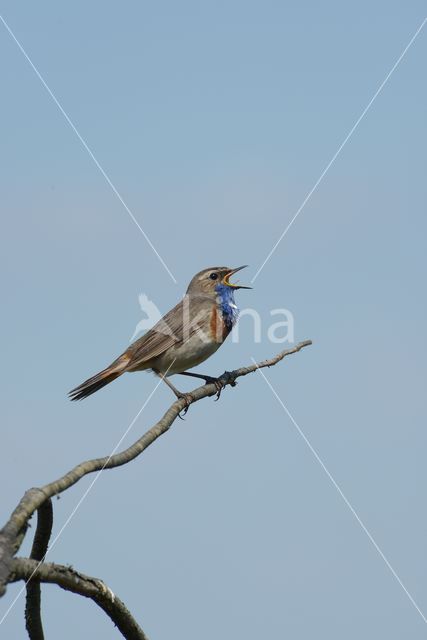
x=187 y=354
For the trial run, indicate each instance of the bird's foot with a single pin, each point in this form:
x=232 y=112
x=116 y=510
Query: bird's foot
x=229 y=378
x=219 y=387
x=221 y=382
x=217 y=382
x=188 y=400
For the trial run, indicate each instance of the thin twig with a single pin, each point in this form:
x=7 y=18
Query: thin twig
x=71 y=580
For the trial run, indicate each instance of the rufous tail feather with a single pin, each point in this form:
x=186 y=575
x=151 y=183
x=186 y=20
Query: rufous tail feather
x=101 y=379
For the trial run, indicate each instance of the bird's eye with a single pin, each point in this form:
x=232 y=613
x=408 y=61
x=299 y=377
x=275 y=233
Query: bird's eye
x=213 y=276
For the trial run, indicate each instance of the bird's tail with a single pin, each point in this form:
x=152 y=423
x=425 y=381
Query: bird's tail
x=101 y=379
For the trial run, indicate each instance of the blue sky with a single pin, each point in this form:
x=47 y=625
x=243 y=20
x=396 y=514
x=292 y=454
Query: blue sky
x=213 y=121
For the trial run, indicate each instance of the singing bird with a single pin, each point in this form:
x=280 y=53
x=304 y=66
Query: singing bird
x=186 y=336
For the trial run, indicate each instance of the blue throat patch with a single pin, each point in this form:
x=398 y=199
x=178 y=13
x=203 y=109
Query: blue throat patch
x=227 y=305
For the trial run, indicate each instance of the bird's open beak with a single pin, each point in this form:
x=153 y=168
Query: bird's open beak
x=228 y=275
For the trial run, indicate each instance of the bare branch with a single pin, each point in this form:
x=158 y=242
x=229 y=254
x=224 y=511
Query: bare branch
x=34 y=498
x=33 y=620
x=70 y=580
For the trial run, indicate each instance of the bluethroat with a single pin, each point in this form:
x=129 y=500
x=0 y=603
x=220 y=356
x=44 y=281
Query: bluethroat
x=186 y=336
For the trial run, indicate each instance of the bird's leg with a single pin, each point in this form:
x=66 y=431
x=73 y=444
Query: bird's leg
x=219 y=385
x=207 y=379
x=171 y=386
x=179 y=394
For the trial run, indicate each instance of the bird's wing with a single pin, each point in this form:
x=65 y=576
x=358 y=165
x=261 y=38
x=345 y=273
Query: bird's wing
x=189 y=316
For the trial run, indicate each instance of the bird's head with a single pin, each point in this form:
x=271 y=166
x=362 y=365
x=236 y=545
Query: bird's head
x=208 y=280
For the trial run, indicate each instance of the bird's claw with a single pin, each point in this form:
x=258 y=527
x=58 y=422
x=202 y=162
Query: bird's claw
x=188 y=400
x=219 y=386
